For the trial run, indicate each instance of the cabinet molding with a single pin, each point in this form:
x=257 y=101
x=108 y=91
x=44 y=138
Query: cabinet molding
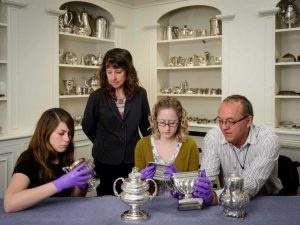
x=152 y=26
x=55 y=12
x=226 y=17
x=15 y=3
x=268 y=12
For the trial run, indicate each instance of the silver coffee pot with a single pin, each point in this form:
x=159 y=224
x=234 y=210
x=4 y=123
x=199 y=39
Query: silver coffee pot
x=101 y=28
x=234 y=199
x=82 y=27
x=135 y=194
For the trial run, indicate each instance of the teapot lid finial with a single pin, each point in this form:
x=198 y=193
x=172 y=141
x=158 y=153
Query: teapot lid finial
x=134 y=173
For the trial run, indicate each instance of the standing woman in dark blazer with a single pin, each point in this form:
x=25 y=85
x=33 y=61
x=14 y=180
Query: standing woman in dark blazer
x=113 y=116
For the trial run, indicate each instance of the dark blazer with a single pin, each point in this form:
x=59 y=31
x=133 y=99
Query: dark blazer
x=114 y=138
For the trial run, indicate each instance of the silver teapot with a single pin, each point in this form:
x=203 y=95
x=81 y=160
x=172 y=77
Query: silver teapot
x=94 y=82
x=234 y=199
x=135 y=194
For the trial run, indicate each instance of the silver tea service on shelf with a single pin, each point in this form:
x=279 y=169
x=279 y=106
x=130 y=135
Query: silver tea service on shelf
x=80 y=22
x=135 y=194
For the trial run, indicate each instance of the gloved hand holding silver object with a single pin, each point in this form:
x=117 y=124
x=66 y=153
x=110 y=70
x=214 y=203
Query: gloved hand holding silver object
x=170 y=169
x=203 y=189
x=77 y=177
x=176 y=195
x=148 y=172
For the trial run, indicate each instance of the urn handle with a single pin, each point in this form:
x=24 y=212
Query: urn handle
x=155 y=187
x=114 y=186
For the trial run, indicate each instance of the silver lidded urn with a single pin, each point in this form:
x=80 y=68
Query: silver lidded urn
x=289 y=12
x=135 y=194
x=234 y=199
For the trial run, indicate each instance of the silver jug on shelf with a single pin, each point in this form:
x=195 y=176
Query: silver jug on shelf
x=135 y=194
x=101 y=28
x=82 y=26
x=171 y=32
x=234 y=199
x=65 y=24
x=215 y=27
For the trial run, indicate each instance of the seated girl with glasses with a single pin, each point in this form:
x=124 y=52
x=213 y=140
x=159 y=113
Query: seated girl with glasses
x=168 y=144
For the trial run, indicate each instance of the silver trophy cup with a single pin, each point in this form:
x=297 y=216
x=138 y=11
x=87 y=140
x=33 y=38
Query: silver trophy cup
x=183 y=182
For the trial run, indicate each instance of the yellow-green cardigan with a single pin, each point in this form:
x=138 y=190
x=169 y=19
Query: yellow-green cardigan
x=186 y=160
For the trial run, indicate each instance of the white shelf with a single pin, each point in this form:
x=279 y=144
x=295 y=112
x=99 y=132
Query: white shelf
x=295 y=29
x=190 y=40
x=282 y=130
x=287 y=64
x=190 y=67
x=3 y=99
x=3 y=61
x=287 y=96
x=201 y=127
x=73 y=96
x=3 y=24
x=78 y=66
x=189 y=95
x=75 y=37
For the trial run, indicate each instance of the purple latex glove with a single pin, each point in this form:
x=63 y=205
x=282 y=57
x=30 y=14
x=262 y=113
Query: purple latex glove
x=170 y=169
x=203 y=189
x=77 y=177
x=148 y=172
x=176 y=195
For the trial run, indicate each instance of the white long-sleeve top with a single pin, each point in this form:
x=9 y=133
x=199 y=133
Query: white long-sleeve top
x=258 y=156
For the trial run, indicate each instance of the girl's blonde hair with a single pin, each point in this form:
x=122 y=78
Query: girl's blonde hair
x=167 y=103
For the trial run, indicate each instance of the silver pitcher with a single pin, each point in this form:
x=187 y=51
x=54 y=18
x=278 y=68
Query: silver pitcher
x=65 y=24
x=215 y=27
x=102 y=28
x=234 y=199
x=135 y=194
x=171 y=32
x=82 y=27
x=183 y=182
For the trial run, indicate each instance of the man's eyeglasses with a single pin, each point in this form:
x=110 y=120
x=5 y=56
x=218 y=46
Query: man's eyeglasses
x=170 y=123
x=230 y=123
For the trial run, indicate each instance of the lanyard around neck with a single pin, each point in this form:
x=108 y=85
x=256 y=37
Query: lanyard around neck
x=241 y=165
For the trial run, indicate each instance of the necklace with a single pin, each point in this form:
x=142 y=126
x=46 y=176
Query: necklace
x=120 y=100
x=242 y=166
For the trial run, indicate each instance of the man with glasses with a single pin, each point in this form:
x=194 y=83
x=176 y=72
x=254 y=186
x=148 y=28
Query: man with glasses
x=239 y=145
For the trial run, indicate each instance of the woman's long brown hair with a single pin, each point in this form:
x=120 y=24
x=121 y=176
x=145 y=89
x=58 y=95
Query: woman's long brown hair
x=119 y=58
x=40 y=147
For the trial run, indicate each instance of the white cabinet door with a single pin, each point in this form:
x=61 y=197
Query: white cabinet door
x=9 y=153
